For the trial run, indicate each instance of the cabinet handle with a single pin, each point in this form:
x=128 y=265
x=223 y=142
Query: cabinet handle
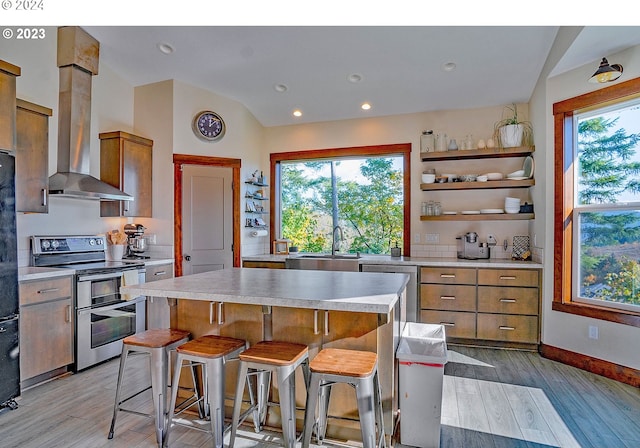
x=211 y=312
x=160 y=273
x=44 y=197
x=126 y=206
x=48 y=290
x=502 y=327
x=220 y=313
x=68 y=318
x=507 y=277
x=315 y=322
x=508 y=300
x=447 y=275
x=447 y=298
x=448 y=324
x=326 y=323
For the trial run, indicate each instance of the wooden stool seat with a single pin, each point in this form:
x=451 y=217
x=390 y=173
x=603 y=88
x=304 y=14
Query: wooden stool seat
x=156 y=338
x=344 y=362
x=275 y=353
x=211 y=346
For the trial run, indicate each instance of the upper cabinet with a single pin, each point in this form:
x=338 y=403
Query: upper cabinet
x=32 y=157
x=8 y=74
x=126 y=163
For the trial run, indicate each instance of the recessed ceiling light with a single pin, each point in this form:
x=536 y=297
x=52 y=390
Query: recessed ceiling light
x=280 y=88
x=449 y=66
x=366 y=106
x=297 y=113
x=354 y=77
x=166 y=48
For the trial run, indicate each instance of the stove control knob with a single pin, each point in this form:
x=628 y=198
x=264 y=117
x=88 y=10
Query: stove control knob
x=92 y=242
x=99 y=241
x=55 y=244
x=45 y=244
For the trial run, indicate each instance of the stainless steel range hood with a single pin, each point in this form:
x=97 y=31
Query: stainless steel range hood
x=78 y=62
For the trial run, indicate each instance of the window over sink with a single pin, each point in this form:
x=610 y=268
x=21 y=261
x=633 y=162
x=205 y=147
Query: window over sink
x=363 y=190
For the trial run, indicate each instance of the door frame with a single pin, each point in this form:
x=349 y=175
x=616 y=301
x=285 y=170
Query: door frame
x=185 y=159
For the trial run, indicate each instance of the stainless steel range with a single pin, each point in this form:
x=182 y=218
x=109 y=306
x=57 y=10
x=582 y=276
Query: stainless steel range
x=103 y=316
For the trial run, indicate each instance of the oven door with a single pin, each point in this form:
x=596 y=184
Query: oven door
x=100 y=330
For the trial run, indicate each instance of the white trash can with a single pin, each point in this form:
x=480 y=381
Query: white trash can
x=422 y=354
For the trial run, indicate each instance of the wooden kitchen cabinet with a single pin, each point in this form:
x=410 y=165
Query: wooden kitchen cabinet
x=264 y=264
x=32 y=157
x=126 y=163
x=46 y=326
x=491 y=306
x=8 y=75
x=158 y=311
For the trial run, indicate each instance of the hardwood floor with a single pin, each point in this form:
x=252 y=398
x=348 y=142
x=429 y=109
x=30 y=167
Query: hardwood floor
x=491 y=398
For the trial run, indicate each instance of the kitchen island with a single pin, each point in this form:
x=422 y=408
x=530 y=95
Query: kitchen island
x=357 y=310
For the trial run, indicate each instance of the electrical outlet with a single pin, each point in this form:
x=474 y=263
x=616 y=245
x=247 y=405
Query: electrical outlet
x=593 y=332
x=491 y=240
x=432 y=238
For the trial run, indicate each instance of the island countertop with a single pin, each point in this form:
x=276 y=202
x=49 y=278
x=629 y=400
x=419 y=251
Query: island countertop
x=325 y=290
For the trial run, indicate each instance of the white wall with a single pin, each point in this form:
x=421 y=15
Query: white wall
x=570 y=332
x=407 y=129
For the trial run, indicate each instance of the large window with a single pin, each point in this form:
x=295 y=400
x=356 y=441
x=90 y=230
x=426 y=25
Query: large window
x=360 y=195
x=597 y=209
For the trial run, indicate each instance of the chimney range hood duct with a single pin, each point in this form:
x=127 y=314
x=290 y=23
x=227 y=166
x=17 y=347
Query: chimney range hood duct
x=78 y=62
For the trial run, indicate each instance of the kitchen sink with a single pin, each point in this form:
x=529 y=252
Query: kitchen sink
x=325 y=262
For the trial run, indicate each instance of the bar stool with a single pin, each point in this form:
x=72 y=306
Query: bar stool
x=262 y=359
x=157 y=343
x=211 y=352
x=357 y=368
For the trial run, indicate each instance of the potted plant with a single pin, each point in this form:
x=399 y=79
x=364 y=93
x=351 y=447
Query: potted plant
x=511 y=132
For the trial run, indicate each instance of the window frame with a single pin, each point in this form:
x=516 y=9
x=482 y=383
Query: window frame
x=563 y=252
x=399 y=149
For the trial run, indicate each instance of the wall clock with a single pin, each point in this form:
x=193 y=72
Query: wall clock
x=209 y=126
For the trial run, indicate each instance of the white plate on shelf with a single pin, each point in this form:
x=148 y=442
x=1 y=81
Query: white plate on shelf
x=449 y=213
x=528 y=167
x=471 y=212
x=491 y=210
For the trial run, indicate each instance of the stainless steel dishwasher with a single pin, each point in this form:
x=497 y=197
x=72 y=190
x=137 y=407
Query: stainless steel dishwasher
x=412 y=286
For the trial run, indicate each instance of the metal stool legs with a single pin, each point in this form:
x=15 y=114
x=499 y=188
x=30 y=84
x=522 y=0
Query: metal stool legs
x=213 y=376
x=262 y=361
x=368 y=396
x=158 y=363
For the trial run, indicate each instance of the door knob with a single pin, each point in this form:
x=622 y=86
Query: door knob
x=187 y=257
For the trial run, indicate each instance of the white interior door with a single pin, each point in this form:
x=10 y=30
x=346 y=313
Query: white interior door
x=207 y=218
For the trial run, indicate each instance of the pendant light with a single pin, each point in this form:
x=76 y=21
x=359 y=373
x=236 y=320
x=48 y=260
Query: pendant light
x=606 y=72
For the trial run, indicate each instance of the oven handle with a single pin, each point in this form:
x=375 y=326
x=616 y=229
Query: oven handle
x=87 y=278
x=112 y=307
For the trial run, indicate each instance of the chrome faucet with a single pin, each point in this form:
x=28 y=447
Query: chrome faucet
x=336 y=243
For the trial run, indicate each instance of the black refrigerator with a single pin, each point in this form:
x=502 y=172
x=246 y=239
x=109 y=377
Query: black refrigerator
x=9 y=348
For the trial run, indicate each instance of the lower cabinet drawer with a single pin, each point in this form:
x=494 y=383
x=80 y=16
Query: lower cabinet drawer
x=459 y=276
x=508 y=328
x=457 y=324
x=448 y=297
x=497 y=299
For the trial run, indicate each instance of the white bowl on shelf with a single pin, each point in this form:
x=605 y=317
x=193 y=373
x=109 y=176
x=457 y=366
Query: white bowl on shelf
x=494 y=176
x=428 y=178
x=512 y=210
